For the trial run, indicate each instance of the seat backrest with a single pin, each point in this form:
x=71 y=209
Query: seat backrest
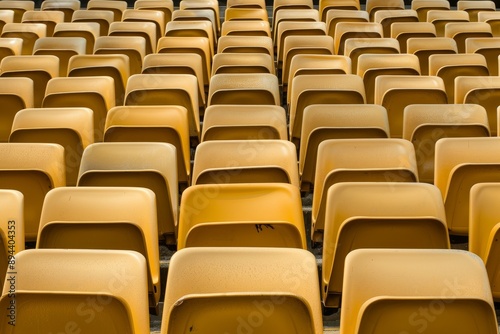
x=15 y=94
x=346 y=30
x=117 y=7
x=102 y=17
x=424 y=47
x=423 y=6
x=132 y=46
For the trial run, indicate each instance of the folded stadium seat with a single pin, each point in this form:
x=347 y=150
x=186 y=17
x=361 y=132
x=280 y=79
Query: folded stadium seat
x=440 y=18
x=377 y=215
x=488 y=47
x=243 y=14
x=402 y=31
x=370 y=66
x=425 y=124
x=178 y=63
x=15 y=94
x=424 y=47
x=148 y=165
x=6 y=16
x=493 y=19
x=423 y=6
x=246 y=28
x=28 y=32
x=346 y=30
x=460 y=163
x=212 y=5
x=33 y=169
x=49 y=18
x=18 y=7
x=55 y=291
x=339 y=121
x=380 y=293
x=373 y=6
x=303 y=15
x=326 y=6
x=154 y=16
x=245 y=44
x=310 y=89
x=387 y=17
x=358 y=160
x=475 y=7
x=39 y=68
x=67 y=7
x=193 y=29
x=72 y=128
x=88 y=30
x=242 y=63
x=166 y=89
x=240 y=122
x=396 y=92
x=132 y=46
x=112 y=65
x=102 y=17
x=245 y=161
x=334 y=16
x=11 y=229
x=246 y=4
x=116 y=6
x=147 y=30
x=355 y=47
x=62 y=47
x=290 y=4
x=198 y=15
x=10 y=47
x=259 y=290
x=106 y=218
x=168 y=124
x=245 y=88
x=96 y=93
x=264 y=215
x=166 y=7
x=450 y=66
x=461 y=31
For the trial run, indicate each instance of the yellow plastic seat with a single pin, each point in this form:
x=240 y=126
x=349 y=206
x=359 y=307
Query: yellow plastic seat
x=424 y=47
x=102 y=17
x=197 y=15
x=460 y=163
x=245 y=161
x=396 y=92
x=382 y=284
x=312 y=89
x=11 y=230
x=15 y=94
x=290 y=4
x=242 y=63
x=303 y=15
x=461 y=31
x=166 y=6
x=246 y=28
x=475 y=7
x=334 y=16
x=402 y=31
x=132 y=46
x=96 y=93
x=10 y=47
x=105 y=218
x=168 y=124
x=156 y=17
x=67 y=7
x=52 y=284
x=72 y=128
x=212 y=5
x=339 y=121
x=28 y=32
x=244 y=14
x=62 y=47
x=247 y=4
x=193 y=29
x=394 y=215
x=450 y=66
x=240 y=122
x=265 y=215
x=143 y=164
x=116 y=6
x=440 y=18
x=49 y=18
x=147 y=30
x=238 y=300
x=166 y=89
x=88 y=30
x=388 y=17
x=33 y=169
x=39 y=68
x=19 y=7
x=358 y=160
x=493 y=19
x=425 y=124
x=245 y=44
x=423 y=6
x=488 y=47
x=325 y=6
x=346 y=30
x=373 y=6
x=355 y=47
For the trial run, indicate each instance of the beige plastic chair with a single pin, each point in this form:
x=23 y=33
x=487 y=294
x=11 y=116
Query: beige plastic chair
x=32 y=169
x=377 y=215
x=28 y=32
x=148 y=165
x=67 y=7
x=461 y=31
x=440 y=18
x=245 y=14
x=286 y=306
x=488 y=47
x=168 y=124
x=339 y=121
x=245 y=161
x=10 y=47
x=381 y=284
x=246 y=28
x=247 y=4
x=358 y=160
x=312 y=89
x=212 y=5
x=53 y=282
x=132 y=46
x=424 y=47
x=396 y=92
x=370 y=66
x=15 y=94
x=245 y=44
x=493 y=19
x=49 y=18
x=425 y=124
x=38 y=68
x=96 y=93
x=116 y=6
x=19 y=7
x=265 y=215
x=387 y=17
x=142 y=29
x=240 y=122
x=11 y=230
x=197 y=15
x=355 y=47
x=325 y=6
x=153 y=16
x=346 y=30
x=423 y=6
x=303 y=15
x=242 y=63
x=373 y=6
x=62 y=47
x=474 y=7
x=102 y=17
x=72 y=128
x=166 y=6
x=290 y=4
x=203 y=29
x=460 y=163
x=88 y=30
x=166 y=89
x=106 y=218
x=334 y=16
x=402 y=31
x=450 y=66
